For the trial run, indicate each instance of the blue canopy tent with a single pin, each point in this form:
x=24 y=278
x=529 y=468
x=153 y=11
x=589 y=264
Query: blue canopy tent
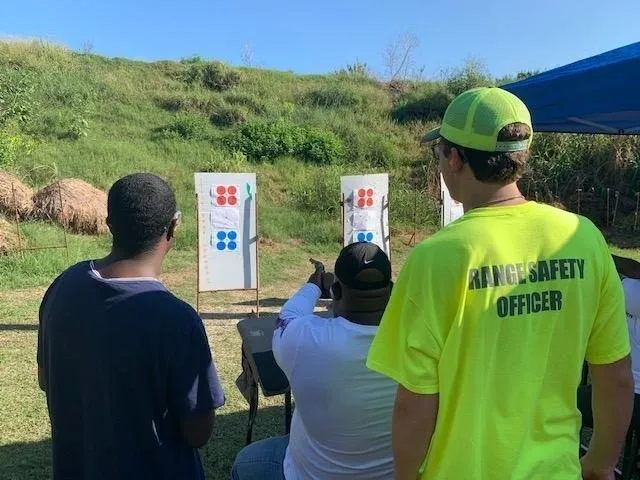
x=599 y=94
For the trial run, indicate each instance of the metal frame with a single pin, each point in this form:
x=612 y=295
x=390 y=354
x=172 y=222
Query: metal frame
x=21 y=248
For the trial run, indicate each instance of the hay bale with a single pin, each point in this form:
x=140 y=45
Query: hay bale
x=8 y=237
x=14 y=195
x=83 y=209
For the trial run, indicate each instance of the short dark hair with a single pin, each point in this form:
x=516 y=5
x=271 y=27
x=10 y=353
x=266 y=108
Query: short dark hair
x=140 y=208
x=496 y=167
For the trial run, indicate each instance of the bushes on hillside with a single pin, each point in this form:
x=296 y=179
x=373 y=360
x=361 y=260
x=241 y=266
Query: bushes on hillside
x=426 y=102
x=218 y=77
x=264 y=141
x=188 y=127
x=16 y=95
x=473 y=74
x=196 y=102
x=368 y=147
x=334 y=96
x=13 y=147
x=229 y=115
x=215 y=76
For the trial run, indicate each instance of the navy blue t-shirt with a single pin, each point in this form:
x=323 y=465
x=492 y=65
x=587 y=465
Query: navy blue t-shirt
x=125 y=361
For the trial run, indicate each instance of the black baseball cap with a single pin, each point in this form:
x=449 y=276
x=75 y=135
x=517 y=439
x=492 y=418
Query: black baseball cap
x=363 y=266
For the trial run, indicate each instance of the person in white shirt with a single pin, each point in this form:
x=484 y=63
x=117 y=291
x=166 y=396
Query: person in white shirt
x=629 y=271
x=341 y=426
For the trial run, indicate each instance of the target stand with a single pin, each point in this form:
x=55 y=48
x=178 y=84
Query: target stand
x=228 y=246
x=364 y=207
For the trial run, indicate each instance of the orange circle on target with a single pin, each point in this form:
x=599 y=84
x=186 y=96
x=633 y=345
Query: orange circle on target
x=369 y=202
x=370 y=192
x=361 y=202
x=232 y=200
x=222 y=200
x=232 y=190
x=361 y=192
x=221 y=190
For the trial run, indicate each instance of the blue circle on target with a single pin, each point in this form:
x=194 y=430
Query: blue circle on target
x=221 y=236
x=231 y=245
x=361 y=237
x=232 y=235
x=369 y=236
x=221 y=245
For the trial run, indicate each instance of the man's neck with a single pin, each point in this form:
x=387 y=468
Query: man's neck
x=493 y=196
x=363 y=318
x=118 y=265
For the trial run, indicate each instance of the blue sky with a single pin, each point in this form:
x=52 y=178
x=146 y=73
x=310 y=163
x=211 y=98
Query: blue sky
x=322 y=36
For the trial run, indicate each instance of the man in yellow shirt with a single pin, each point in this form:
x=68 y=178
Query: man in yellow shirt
x=491 y=319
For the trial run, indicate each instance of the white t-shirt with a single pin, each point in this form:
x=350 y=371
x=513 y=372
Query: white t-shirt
x=341 y=426
x=632 y=303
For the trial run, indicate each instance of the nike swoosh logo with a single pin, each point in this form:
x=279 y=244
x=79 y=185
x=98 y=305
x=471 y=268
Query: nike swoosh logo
x=367 y=262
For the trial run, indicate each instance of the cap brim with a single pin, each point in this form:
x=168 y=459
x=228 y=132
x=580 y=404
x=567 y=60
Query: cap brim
x=431 y=136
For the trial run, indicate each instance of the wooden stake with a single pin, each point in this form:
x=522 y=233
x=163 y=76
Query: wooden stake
x=197 y=255
x=342 y=215
x=635 y=223
x=608 y=200
x=255 y=199
x=17 y=219
x=615 y=208
x=579 y=194
x=64 y=221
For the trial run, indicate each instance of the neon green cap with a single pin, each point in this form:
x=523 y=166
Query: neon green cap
x=475 y=117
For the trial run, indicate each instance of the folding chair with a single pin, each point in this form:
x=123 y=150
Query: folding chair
x=259 y=368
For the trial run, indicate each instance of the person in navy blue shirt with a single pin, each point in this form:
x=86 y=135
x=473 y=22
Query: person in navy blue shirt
x=126 y=366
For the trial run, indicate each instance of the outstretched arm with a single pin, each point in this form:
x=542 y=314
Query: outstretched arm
x=301 y=303
x=304 y=301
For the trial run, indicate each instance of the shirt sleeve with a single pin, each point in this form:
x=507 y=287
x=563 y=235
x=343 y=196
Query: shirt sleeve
x=193 y=383
x=631 y=289
x=609 y=338
x=292 y=326
x=42 y=313
x=405 y=347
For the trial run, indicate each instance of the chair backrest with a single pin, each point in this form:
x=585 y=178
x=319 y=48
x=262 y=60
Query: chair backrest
x=257 y=334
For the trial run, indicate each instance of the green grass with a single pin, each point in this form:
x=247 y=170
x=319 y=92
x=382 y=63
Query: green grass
x=25 y=441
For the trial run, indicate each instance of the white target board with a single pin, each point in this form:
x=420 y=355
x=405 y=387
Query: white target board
x=366 y=209
x=227 y=226
x=451 y=209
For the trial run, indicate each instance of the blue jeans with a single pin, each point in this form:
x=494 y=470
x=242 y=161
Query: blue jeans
x=261 y=460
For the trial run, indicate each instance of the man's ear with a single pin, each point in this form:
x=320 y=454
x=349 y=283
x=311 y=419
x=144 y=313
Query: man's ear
x=455 y=160
x=336 y=291
x=171 y=231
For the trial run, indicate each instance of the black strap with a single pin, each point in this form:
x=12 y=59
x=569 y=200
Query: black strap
x=287 y=411
x=253 y=412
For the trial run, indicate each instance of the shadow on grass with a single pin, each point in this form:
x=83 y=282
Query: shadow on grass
x=18 y=327
x=265 y=302
x=32 y=460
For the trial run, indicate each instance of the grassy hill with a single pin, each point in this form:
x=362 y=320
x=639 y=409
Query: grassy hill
x=85 y=116
x=68 y=114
